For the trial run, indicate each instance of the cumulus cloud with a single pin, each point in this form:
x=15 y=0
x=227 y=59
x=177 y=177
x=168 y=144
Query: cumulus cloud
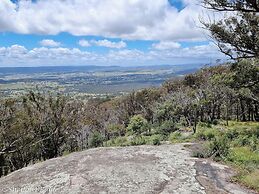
x=166 y=45
x=126 y=19
x=49 y=43
x=19 y=55
x=109 y=44
x=84 y=43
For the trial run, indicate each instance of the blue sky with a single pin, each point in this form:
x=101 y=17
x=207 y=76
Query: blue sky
x=103 y=32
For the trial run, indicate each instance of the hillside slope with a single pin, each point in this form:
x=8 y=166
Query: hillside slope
x=142 y=169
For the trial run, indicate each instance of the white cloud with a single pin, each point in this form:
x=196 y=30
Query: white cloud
x=17 y=55
x=84 y=43
x=49 y=43
x=102 y=43
x=109 y=44
x=166 y=45
x=126 y=19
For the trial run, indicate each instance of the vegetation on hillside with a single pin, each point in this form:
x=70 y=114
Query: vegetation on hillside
x=41 y=126
x=236 y=144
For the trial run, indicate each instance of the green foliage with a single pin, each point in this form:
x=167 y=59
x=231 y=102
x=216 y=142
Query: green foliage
x=137 y=125
x=165 y=111
x=207 y=134
x=236 y=135
x=236 y=144
x=116 y=130
x=155 y=139
x=244 y=134
x=251 y=179
x=244 y=156
x=96 y=140
x=138 y=140
x=203 y=151
x=204 y=125
x=135 y=140
x=119 y=141
x=236 y=33
x=149 y=140
x=219 y=147
x=166 y=127
x=37 y=127
x=176 y=137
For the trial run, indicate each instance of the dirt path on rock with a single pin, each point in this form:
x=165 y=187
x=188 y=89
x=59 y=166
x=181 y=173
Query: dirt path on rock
x=141 y=169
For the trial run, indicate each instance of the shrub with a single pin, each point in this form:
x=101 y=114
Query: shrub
x=244 y=137
x=219 y=147
x=215 y=122
x=241 y=140
x=232 y=133
x=137 y=124
x=244 y=156
x=254 y=143
x=254 y=132
x=175 y=137
x=167 y=127
x=203 y=152
x=138 y=140
x=155 y=140
x=207 y=134
x=116 y=130
x=96 y=140
x=251 y=179
x=204 y=125
x=119 y=141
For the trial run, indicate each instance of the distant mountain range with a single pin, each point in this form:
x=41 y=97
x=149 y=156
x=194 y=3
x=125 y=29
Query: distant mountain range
x=69 y=69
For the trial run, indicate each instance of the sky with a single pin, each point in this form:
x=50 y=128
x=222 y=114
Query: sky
x=103 y=32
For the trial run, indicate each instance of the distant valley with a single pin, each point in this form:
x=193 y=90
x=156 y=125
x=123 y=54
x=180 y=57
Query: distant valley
x=87 y=81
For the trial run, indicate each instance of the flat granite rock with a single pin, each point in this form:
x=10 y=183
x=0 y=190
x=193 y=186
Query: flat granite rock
x=139 y=169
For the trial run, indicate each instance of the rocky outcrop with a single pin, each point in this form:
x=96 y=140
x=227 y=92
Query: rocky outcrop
x=140 y=169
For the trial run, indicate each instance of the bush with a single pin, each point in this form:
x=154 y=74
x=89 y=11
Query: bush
x=254 y=132
x=207 y=134
x=219 y=147
x=166 y=128
x=241 y=141
x=138 y=140
x=215 y=122
x=203 y=152
x=204 y=125
x=251 y=180
x=244 y=137
x=232 y=133
x=244 y=156
x=96 y=140
x=254 y=143
x=119 y=141
x=116 y=130
x=155 y=140
x=175 y=137
x=135 y=140
x=137 y=124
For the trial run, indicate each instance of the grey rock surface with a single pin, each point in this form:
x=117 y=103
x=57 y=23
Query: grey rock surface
x=141 y=169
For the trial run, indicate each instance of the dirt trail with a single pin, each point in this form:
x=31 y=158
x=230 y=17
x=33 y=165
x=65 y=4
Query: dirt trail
x=141 y=169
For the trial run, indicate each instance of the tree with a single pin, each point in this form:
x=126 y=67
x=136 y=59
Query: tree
x=237 y=33
x=250 y=6
x=37 y=127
